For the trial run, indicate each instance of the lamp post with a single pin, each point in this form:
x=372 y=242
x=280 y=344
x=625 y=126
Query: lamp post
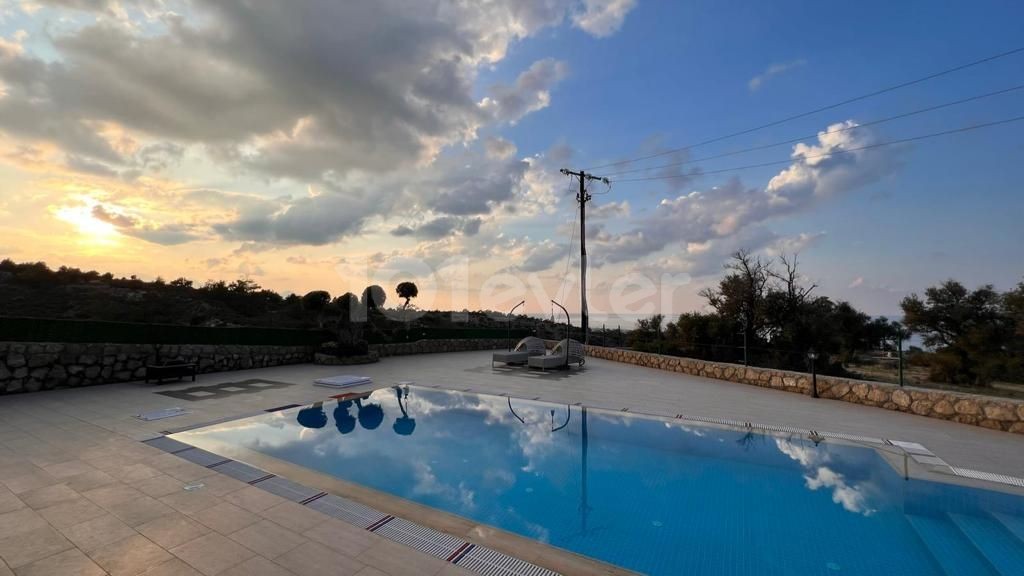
x=812 y=355
x=508 y=332
x=568 y=334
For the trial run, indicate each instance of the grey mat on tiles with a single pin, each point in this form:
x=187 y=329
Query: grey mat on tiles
x=224 y=389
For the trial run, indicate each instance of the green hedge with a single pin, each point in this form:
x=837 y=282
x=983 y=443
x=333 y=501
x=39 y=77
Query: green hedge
x=57 y=330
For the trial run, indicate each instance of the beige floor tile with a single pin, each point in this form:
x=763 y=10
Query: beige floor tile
x=135 y=473
x=111 y=494
x=88 y=480
x=131 y=556
x=9 y=502
x=70 y=513
x=27 y=547
x=213 y=553
x=98 y=532
x=257 y=566
x=267 y=539
x=371 y=571
x=173 y=567
x=21 y=520
x=400 y=560
x=4 y=570
x=187 y=471
x=314 y=559
x=220 y=484
x=70 y=563
x=140 y=510
x=67 y=469
x=226 y=518
x=294 y=516
x=253 y=499
x=48 y=496
x=190 y=501
x=30 y=481
x=342 y=537
x=172 y=530
x=159 y=486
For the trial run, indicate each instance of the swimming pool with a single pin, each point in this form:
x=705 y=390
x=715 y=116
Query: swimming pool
x=658 y=496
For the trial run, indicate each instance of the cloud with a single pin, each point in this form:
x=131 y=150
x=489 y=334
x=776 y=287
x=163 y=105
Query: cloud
x=499 y=148
x=440 y=227
x=313 y=220
x=164 y=234
x=856 y=282
x=772 y=71
x=297 y=89
x=602 y=17
x=609 y=210
x=540 y=256
x=529 y=93
x=734 y=216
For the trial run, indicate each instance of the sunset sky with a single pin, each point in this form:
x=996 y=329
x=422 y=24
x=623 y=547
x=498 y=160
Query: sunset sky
x=317 y=144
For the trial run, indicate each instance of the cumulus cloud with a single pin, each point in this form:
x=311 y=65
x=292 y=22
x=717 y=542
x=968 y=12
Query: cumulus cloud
x=165 y=234
x=772 y=71
x=440 y=227
x=602 y=17
x=529 y=93
x=705 y=222
x=499 y=149
x=296 y=89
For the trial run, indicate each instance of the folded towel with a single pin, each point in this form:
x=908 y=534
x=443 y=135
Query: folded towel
x=343 y=381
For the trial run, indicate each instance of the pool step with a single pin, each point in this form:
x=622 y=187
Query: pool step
x=1002 y=548
x=1014 y=524
x=954 y=552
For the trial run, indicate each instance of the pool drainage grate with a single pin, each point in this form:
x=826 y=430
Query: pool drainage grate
x=449 y=548
x=988 y=476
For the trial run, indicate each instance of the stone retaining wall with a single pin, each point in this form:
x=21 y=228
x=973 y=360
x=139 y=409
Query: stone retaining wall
x=989 y=412
x=439 y=346
x=28 y=367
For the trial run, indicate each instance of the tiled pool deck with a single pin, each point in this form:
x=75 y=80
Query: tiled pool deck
x=80 y=494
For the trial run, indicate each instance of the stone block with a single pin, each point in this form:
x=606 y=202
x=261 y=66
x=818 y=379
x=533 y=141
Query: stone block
x=999 y=411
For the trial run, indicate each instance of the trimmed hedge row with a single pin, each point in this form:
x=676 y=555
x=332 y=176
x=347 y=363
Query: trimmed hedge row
x=60 y=330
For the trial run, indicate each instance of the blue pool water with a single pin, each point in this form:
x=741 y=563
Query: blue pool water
x=655 y=496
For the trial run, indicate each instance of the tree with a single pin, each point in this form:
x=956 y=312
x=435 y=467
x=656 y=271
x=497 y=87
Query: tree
x=374 y=297
x=740 y=296
x=407 y=291
x=970 y=331
x=316 y=301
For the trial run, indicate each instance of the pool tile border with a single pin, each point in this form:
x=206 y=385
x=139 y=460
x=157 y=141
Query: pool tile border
x=451 y=549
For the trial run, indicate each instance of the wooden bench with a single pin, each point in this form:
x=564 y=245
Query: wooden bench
x=178 y=370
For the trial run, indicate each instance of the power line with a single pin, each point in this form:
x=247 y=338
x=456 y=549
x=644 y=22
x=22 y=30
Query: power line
x=836 y=131
x=820 y=109
x=828 y=154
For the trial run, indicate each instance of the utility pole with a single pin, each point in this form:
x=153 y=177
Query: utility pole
x=583 y=197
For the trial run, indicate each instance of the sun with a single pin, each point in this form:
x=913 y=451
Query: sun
x=93 y=229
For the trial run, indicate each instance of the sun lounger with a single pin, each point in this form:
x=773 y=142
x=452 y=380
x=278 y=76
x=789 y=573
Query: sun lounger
x=527 y=347
x=564 y=353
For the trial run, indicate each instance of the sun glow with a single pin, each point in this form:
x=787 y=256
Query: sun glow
x=93 y=229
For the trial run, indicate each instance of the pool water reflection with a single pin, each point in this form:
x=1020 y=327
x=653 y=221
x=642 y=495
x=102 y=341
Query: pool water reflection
x=655 y=496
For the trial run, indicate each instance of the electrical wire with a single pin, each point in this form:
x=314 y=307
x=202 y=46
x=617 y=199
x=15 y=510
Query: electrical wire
x=819 y=109
x=825 y=133
x=828 y=154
